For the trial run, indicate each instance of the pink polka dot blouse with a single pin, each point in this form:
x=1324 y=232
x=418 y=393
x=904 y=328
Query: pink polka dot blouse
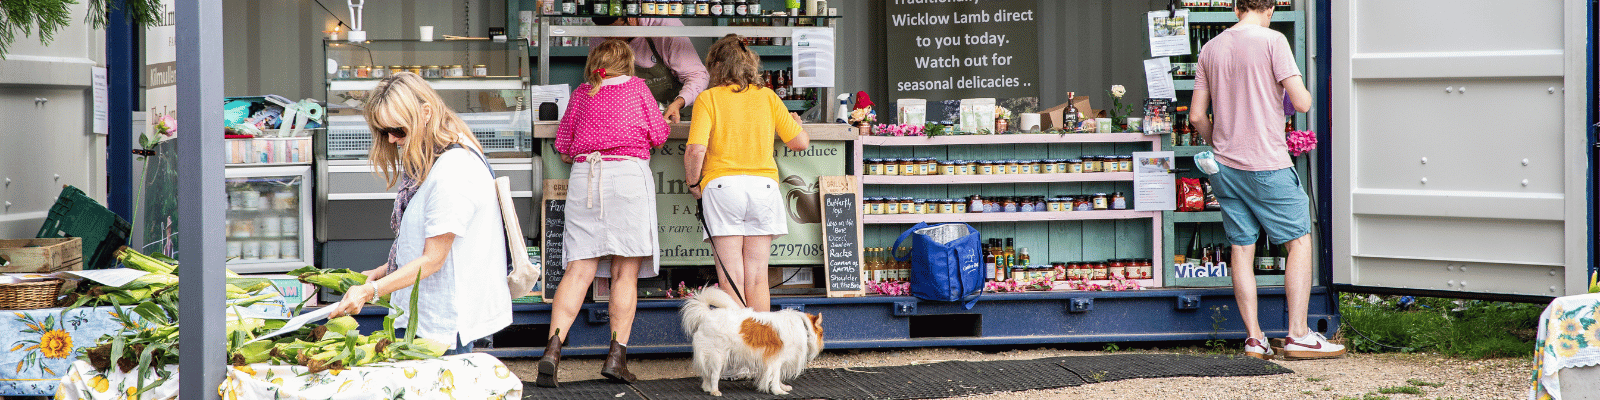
x=621 y=119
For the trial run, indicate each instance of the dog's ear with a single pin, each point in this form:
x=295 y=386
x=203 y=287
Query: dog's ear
x=816 y=319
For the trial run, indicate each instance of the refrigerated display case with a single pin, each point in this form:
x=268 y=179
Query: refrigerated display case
x=269 y=221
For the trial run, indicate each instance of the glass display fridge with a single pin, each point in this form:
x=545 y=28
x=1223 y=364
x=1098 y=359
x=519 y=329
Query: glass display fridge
x=269 y=221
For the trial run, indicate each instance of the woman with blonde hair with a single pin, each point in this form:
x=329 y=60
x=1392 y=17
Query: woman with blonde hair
x=446 y=218
x=610 y=126
x=730 y=166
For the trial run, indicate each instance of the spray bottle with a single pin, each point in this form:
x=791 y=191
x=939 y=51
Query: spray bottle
x=844 y=109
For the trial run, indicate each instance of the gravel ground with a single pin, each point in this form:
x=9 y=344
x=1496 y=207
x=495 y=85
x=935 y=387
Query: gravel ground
x=1351 y=376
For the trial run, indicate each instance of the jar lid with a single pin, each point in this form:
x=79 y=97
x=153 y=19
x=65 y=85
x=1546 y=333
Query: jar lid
x=455 y=66
x=985 y=162
x=920 y=201
x=344 y=67
x=1075 y=160
x=378 y=67
x=479 y=66
x=1099 y=194
x=433 y=66
x=889 y=159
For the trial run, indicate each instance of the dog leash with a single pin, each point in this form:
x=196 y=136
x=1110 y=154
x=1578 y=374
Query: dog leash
x=700 y=213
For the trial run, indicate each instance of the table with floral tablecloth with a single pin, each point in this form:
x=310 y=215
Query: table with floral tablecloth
x=462 y=376
x=1569 y=337
x=41 y=344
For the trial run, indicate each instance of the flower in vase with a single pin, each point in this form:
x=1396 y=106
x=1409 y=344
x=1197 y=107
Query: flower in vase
x=1117 y=91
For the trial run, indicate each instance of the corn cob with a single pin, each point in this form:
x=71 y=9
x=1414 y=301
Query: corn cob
x=136 y=260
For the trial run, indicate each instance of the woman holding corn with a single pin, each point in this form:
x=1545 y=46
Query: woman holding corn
x=446 y=218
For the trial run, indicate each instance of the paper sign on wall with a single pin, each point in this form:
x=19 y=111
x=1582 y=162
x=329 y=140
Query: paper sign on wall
x=813 y=57
x=1154 y=188
x=1168 y=33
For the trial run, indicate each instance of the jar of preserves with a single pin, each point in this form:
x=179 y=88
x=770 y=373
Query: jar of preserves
x=433 y=72
x=919 y=206
x=1100 y=270
x=874 y=206
x=1074 y=165
x=395 y=69
x=455 y=71
x=960 y=205
x=1025 y=204
x=1008 y=204
x=874 y=166
x=1013 y=167
x=1082 y=203
x=1048 y=167
x=1092 y=164
x=1116 y=269
x=1054 y=205
x=1066 y=203
x=1037 y=166
x=947 y=168
x=986 y=167
x=1125 y=163
x=891 y=166
x=363 y=71
x=1020 y=274
x=947 y=206
x=480 y=71
x=1101 y=201
x=909 y=166
x=344 y=72
x=1118 y=202
x=975 y=204
x=1058 y=271
x=1078 y=270
x=891 y=205
x=906 y=206
x=972 y=167
x=930 y=166
x=1141 y=269
x=415 y=69
x=379 y=71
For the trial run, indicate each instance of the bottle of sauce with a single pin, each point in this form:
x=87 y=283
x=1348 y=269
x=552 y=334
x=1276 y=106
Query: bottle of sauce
x=989 y=260
x=1069 y=118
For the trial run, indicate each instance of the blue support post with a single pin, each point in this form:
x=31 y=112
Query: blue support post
x=1324 y=124
x=203 y=202
x=122 y=70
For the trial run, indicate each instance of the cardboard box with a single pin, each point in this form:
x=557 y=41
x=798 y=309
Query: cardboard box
x=1052 y=118
x=797 y=278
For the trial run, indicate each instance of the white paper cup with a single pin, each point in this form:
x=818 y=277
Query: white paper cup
x=426 y=32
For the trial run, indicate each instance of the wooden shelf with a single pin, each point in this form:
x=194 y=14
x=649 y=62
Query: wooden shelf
x=490 y=83
x=998 y=178
x=1200 y=216
x=1183 y=84
x=842 y=132
x=1020 y=138
x=1007 y=217
x=1186 y=151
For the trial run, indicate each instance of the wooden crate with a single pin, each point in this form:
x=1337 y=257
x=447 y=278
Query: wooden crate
x=42 y=255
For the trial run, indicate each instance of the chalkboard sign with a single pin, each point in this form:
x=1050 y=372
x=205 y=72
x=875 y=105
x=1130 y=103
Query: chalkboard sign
x=553 y=217
x=841 y=235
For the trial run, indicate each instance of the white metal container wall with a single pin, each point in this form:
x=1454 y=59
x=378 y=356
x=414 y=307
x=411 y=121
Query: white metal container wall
x=1459 y=145
x=45 y=124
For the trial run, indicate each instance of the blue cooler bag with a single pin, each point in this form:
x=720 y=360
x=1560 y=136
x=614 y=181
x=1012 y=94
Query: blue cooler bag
x=946 y=262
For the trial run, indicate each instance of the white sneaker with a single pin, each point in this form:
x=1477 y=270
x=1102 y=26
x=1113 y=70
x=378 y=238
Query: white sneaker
x=1310 y=346
x=1254 y=348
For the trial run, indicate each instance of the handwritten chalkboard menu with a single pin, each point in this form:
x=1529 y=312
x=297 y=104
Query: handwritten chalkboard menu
x=841 y=235
x=553 y=216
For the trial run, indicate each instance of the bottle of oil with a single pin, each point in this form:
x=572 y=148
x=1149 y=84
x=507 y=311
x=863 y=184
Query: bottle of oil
x=1010 y=254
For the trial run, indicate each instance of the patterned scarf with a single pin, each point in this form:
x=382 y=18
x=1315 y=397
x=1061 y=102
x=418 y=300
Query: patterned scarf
x=408 y=189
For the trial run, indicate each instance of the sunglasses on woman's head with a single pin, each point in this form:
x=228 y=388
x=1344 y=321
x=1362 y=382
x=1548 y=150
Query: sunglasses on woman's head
x=398 y=133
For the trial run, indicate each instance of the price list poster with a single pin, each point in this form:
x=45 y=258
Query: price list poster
x=947 y=50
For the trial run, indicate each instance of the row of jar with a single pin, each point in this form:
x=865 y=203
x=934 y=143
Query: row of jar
x=996 y=204
x=933 y=166
x=247 y=198
x=1125 y=268
x=263 y=227
x=263 y=249
x=431 y=71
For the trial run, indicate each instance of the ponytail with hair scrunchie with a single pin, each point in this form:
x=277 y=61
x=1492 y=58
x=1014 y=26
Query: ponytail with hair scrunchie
x=601 y=72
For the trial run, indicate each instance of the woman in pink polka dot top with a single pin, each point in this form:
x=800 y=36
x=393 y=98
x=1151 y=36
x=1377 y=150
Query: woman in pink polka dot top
x=611 y=123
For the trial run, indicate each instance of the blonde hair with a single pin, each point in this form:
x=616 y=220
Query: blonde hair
x=614 y=56
x=732 y=63
x=398 y=101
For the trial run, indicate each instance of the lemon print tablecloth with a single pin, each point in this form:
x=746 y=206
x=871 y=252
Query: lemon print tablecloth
x=82 y=382
x=40 y=345
x=464 y=376
x=1569 y=337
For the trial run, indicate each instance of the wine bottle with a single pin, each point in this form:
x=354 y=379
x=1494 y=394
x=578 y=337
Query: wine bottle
x=1280 y=258
x=989 y=260
x=1195 y=255
x=1263 y=256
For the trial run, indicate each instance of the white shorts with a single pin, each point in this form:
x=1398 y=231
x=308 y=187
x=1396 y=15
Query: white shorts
x=744 y=205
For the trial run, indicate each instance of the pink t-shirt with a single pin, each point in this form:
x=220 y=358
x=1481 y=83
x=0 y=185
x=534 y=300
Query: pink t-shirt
x=619 y=120
x=1242 y=68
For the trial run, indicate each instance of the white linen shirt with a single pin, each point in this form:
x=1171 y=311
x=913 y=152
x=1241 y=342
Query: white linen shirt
x=468 y=298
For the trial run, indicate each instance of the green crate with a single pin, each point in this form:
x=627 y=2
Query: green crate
x=77 y=215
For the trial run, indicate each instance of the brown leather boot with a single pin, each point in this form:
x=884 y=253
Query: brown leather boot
x=616 y=367
x=550 y=363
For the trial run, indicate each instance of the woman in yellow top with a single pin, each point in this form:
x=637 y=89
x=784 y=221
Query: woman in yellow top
x=730 y=167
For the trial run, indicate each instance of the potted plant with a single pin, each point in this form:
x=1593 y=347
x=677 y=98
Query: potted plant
x=1002 y=119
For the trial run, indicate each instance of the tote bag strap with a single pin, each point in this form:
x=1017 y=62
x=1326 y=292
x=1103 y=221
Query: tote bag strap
x=895 y=251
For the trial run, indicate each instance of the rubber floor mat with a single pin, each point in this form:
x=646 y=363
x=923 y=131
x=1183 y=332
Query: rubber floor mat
x=931 y=381
x=1132 y=366
x=598 y=389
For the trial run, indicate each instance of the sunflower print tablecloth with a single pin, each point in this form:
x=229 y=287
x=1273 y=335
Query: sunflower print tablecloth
x=464 y=376
x=42 y=344
x=1569 y=337
x=83 y=382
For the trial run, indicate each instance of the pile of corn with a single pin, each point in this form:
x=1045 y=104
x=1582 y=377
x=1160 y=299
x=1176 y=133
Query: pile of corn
x=334 y=345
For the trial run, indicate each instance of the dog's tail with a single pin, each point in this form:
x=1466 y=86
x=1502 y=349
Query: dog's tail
x=695 y=308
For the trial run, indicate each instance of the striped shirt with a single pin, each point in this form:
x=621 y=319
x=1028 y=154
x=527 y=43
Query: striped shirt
x=1242 y=69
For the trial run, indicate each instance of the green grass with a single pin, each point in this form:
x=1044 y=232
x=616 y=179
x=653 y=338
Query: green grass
x=1400 y=389
x=1368 y=396
x=1471 y=329
x=1315 y=379
x=1419 y=382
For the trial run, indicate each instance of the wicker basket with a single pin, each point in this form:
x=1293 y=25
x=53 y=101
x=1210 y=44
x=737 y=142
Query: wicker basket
x=29 y=295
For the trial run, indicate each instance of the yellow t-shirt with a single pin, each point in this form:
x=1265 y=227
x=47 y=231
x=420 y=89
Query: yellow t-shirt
x=738 y=129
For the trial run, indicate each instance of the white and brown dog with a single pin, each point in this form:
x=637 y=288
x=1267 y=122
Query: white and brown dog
x=775 y=345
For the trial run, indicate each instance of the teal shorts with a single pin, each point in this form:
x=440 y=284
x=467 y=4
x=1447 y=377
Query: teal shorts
x=1256 y=200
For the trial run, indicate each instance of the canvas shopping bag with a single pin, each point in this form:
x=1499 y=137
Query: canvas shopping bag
x=946 y=262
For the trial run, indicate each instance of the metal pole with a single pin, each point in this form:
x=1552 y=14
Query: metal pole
x=122 y=85
x=202 y=202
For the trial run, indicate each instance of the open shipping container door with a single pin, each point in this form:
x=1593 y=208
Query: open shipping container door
x=1459 y=150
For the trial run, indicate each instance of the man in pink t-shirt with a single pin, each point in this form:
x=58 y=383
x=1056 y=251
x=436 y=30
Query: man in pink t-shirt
x=1243 y=77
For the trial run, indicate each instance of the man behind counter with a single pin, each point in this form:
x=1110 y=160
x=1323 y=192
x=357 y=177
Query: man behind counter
x=669 y=66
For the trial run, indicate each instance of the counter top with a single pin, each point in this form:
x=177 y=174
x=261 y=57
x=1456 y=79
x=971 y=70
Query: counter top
x=839 y=132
